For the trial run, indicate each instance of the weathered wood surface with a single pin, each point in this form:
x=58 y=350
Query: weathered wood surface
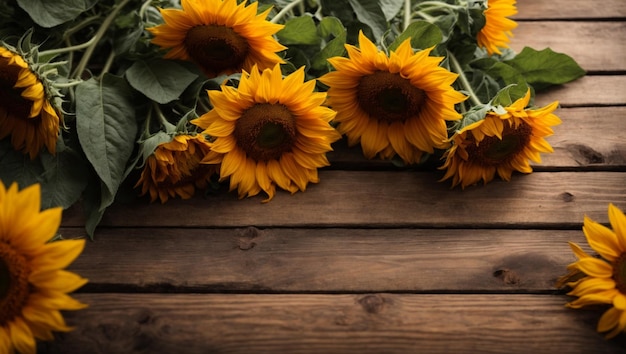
x=332 y=323
x=377 y=258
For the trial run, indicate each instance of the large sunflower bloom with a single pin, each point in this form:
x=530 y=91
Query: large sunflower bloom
x=220 y=36
x=496 y=33
x=396 y=104
x=500 y=143
x=33 y=284
x=25 y=111
x=174 y=168
x=269 y=131
x=605 y=280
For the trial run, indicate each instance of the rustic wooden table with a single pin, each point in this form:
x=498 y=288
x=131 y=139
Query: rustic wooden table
x=377 y=259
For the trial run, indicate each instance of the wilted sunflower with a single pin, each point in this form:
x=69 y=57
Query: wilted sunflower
x=220 y=36
x=396 y=104
x=496 y=33
x=500 y=143
x=269 y=131
x=174 y=168
x=33 y=284
x=25 y=111
x=605 y=280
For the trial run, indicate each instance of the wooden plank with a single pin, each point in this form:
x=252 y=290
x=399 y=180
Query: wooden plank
x=370 y=199
x=592 y=44
x=570 y=9
x=325 y=260
x=299 y=324
x=587 y=91
x=590 y=138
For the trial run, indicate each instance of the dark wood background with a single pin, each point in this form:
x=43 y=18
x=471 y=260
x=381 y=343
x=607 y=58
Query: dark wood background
x=374 y=258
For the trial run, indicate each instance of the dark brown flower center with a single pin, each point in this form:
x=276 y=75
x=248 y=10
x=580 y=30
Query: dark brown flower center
x=266 y=131
x=216 y=48
x=619 y=273
x=492 y=151
x=389 y=97
x=10 y=98
x=14 y=286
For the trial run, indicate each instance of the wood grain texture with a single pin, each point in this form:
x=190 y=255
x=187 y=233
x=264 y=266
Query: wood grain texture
x=325 y=260
x=590 y=91
x=299 y=324
x=573 y=9
x=392 y=199
x=592 y=44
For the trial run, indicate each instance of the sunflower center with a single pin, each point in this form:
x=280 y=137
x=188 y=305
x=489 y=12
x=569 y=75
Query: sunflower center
x=619 y=273
x=492 y=151
x=389 y=97
x=216 y=47
x=14 y=286
x=10 y=97
x=266 y=131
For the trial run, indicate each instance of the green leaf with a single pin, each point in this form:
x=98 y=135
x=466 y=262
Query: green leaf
x=160 y=80
x=52 y=13
x=63 y=180
x=390 y=8
x=334 y=48
x=505 y=75
x=546 y=67
x=17 y=167
x=370 y=13
x=423 y=35
x=330 y=26
x=299 y=30
x=475 y=114
x=106 y=127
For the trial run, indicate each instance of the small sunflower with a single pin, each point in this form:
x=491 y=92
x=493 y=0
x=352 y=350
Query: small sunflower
x=269 y=131
x=605 y=277
x=33 y=284
x=496 y=33
x=25 y=110
x=500 y=143
x=174 y=168
x=396 y=104
x=220 y=36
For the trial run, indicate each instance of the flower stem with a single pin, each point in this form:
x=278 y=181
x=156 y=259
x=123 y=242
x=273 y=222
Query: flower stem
x=456 y=67
x=407 y=14
x=55 y=51
x=99 y=34
x=285 y=10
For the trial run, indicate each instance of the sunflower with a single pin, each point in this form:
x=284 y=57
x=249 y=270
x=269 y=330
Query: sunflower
x=220 y=36
x=496 y=32
x=33 y=284
x=502 y=142
x=25 y=111
x=396 y=104
x=605 y=277
x=174 y=168
x=269 y=131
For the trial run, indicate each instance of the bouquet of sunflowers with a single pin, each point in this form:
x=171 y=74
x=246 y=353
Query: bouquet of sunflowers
x=102 y=100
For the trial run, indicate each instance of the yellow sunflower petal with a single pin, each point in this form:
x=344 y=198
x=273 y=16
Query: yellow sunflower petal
x=602 y=239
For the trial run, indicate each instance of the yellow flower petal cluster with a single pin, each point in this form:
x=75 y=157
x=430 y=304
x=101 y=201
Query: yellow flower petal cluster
x=605 y=280
x=500 y=143
x=174 y=168
x=269 y=131
x=220 y=36
x=396 y=104
x=496 y=33
x=25 y=111
x=33 y=282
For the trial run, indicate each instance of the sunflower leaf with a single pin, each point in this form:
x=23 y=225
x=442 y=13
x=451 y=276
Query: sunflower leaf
x=546 y=68
x=423 y=35
x=299 y=30
x=17 y=167
x=106 y=127
x=160 y=80
x=475 y=114
x=370 y=13
x=63 y=179
x=505 y=75
x=52 y=13
x=335 y=47
x=390 y=8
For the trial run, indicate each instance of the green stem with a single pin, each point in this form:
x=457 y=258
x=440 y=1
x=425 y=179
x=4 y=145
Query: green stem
x=456 y=67
x=438 y=5
x=99 y=34
x=169 y=127
x=407 y=14
x=426 y=16
x=108 y=63
x=285 y=10
x=56 y=51
x=144 y=8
